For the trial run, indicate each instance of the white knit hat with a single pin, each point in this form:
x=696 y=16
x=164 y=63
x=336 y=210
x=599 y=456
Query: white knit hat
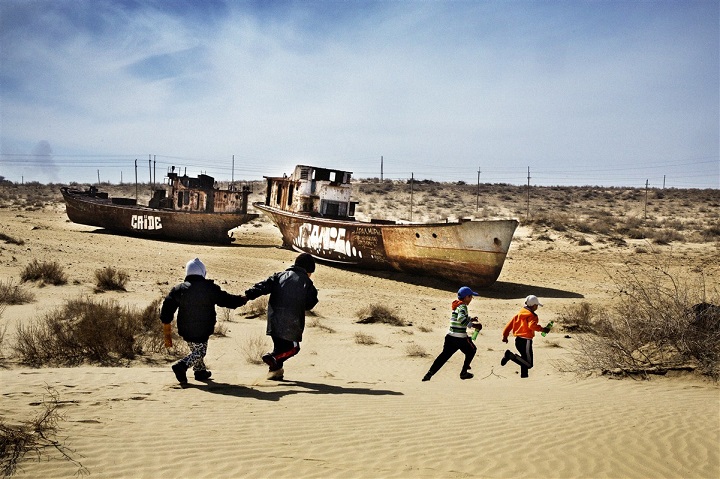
x=195 y=266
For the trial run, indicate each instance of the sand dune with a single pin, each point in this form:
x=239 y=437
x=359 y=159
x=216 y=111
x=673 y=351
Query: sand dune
x=346 y=409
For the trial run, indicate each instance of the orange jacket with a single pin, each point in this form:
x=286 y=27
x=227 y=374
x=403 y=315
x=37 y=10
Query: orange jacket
x=523 y=325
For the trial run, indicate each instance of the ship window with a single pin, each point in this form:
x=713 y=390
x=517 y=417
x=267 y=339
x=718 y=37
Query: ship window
x=290 y=195
x=186 y=198
x=278 y=193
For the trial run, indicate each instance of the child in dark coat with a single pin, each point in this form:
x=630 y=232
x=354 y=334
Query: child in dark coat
x=292 y=292
x=195 y=300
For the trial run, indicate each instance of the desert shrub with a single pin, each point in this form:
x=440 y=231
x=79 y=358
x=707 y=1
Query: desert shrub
x=364 y=338
x=34 y=436
x=711 y=233
x=221 y=329
x=316 y=323
x=11 y=240
x=83 y=330
x=11 y=293
x=414 y=350
x=253 y=348
x=45 y=272
x=579 y=318
x=256 y=308
x=378 y=313
x=584 y=242
x=111 y=279
x=653 y=327
x=666 y=236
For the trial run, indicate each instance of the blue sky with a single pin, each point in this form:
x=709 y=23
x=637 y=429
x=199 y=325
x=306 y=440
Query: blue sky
x=612 y=93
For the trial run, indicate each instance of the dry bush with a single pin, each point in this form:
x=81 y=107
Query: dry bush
x=10 y=240
x=378 y=313
x=365 y=339
x=34 y=436
x=654 y=327
x=579 y=318
x=83 y=330
x=253 y=348
x=11 y=293
x=221 y=329
x=110 y=279
x=45 y=272
x=415 y=351
x=316 y=323
x=255 y=308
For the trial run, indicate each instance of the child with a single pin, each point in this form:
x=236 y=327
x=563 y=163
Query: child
x=292 y=292
x=523 y=326
x=195 y=300
x=457 y=337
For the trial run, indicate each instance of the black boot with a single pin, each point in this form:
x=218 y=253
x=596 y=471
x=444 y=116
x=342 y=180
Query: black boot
x=180 y=370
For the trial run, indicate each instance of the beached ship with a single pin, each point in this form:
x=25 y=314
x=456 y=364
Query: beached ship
x=186 y=209
x=315 y=214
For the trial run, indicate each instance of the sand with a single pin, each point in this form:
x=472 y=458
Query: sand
x=347 y=409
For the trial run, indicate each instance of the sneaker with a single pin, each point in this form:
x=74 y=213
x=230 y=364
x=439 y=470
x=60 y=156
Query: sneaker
x=203 y=375
x=276 y=375
x=427 y=377
x=506 y=358
x=466 y=375
x=270 y=360
x=180 y=370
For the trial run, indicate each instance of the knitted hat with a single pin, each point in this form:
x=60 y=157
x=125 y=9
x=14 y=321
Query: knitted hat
x=196 y=267
x=306 y=262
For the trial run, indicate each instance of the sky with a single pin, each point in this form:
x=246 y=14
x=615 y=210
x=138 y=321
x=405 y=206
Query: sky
x=574 y=93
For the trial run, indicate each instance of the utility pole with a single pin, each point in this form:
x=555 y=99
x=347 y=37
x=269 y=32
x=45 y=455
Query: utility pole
x=232 y=175
x=412 y=180
x=646 y=197
x=527 y=215
x=381 y=169
x=663 y=182
x=477 y=196
x=98 y=172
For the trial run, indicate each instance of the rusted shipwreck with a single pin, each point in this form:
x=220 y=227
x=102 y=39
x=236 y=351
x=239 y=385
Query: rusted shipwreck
x=185 y=209
x=315 y=214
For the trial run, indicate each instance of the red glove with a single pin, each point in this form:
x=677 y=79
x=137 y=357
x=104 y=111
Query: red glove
x=167 y=335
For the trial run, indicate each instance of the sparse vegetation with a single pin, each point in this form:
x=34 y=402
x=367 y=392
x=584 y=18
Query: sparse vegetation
x=35 y=436
x=656 y=326
x=11 y=240
x=11 y=293
x=253 y=348
x=111 y=279
x=83 y=330
x=316 y=323
x=364 y=339
x=256 y=308
x=378 y=313
x=414 y=350
x=45 y=272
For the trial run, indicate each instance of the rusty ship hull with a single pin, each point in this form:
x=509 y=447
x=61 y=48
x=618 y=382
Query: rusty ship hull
x=466 y=252
x=147 y=222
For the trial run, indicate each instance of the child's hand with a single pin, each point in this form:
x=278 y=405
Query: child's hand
x=477 y=326
x=504 y=340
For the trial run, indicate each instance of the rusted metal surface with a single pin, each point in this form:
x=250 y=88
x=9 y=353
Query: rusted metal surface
x=191 y=209
x=314 y=212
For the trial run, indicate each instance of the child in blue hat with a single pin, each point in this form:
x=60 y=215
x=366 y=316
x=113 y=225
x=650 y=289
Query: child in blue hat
x=457 y=337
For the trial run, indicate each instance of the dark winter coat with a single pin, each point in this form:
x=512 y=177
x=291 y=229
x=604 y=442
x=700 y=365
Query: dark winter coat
x=195 y=300
x=292 y=293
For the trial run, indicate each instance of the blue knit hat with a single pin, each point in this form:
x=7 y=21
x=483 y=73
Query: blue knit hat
x=195 y=267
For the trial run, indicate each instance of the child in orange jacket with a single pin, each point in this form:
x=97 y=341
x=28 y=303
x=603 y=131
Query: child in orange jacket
x=523 y=326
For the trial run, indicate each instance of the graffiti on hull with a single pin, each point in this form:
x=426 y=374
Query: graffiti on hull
x=345 y=244
x=146 y=222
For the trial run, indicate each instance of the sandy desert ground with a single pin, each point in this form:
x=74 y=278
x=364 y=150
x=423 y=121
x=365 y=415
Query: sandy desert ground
x=345 y=409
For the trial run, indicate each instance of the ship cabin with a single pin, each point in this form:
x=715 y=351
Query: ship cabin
x=312 y=191
x=184 y=193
